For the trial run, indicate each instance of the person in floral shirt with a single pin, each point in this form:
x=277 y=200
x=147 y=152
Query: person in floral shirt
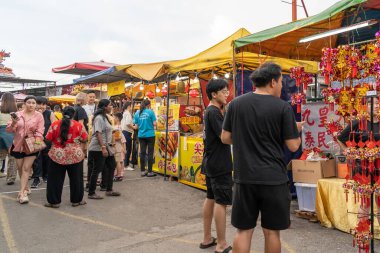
x=66 y=154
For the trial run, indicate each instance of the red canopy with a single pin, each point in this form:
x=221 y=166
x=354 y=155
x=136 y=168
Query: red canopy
x=83 y=68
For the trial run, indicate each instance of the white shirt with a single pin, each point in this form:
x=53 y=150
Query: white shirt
x=90 y=109
x=127 y=120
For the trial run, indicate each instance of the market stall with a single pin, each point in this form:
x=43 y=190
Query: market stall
x=349 y=70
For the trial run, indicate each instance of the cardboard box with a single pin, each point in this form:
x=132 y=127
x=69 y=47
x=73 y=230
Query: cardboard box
x=311 y=171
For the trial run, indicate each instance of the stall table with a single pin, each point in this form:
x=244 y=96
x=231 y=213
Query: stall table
x=333 y=210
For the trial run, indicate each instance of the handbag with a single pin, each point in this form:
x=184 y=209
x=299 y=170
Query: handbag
x=31 y=144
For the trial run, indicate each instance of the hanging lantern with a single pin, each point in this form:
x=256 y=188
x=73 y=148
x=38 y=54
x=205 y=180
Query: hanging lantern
x=194 y=93
x=164 y=91
x=149 y=94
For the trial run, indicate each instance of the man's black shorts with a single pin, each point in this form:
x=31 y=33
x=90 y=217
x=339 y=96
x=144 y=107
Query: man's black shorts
x=271 y=201
x=220 y=189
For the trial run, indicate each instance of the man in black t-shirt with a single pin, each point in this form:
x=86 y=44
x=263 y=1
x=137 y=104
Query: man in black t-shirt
x=258 y=125
x=217 y=165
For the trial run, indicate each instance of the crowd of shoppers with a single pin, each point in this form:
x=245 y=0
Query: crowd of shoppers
x=65 y=134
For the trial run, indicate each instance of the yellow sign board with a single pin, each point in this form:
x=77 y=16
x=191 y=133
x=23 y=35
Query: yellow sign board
x=173 y=118
x=172 y=149
x=115 y=88
x=191 y=161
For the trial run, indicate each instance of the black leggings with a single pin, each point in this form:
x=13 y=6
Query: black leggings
x=98 y=163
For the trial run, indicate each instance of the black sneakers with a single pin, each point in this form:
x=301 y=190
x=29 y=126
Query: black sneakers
x=36 y=182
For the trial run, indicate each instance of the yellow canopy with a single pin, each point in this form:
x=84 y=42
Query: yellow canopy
x=63 y=98
x=219 y=59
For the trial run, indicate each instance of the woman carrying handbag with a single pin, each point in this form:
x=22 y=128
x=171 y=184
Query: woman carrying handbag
x=28 y=127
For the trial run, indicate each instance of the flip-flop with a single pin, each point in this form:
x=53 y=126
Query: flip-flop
x=83 y=202
x=94 y=197
x=51 y=205
x=226 y=250
x=206 y=246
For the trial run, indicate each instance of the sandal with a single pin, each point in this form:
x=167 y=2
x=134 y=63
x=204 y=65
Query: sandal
x=226 y=250
x=113 y=194
x=205 y=246
x=95 y=196
x=51 y=205
x=83 y=202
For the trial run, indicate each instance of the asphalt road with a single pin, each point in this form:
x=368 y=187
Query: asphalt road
x=152 y=215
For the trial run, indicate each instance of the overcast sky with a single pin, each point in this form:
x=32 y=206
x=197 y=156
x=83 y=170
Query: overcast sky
x=42 y=34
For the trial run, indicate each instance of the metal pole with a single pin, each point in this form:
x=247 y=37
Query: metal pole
x=372 y=183
x=167 y=128
x=294 y=10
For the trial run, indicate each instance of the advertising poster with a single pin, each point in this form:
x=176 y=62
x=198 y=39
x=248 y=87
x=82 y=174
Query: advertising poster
x=190 y=118
x=172 y=148
x=191 y=161
x=173 y=118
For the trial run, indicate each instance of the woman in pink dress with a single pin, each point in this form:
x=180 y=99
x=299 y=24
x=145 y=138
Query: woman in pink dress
x=28 y=122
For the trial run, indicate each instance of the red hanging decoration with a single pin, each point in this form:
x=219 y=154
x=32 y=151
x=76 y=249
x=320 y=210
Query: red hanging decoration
x=149 y=94
x=298 y=99
x=164 y=91
x=194 y=93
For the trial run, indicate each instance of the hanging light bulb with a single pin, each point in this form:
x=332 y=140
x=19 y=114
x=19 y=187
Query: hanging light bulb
x=165 y=84
x=215 y=77
x=196 y=80
x=158 y=89
x=227 y=75
x=141 y=86
x=177 y=78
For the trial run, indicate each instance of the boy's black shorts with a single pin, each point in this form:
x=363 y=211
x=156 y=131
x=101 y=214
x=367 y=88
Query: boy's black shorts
x=271 y=201
x=220 y=189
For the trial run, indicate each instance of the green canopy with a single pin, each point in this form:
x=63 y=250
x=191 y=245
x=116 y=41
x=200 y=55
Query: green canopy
x=283 y=40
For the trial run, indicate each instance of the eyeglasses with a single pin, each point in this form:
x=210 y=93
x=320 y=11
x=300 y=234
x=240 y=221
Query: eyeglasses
x=225 y=92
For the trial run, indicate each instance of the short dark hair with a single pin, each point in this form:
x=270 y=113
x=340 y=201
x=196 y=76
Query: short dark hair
x=30 y=97
x=215 y=85
x=41 y=100
x=119 y=115
x=19 y=105
x=264 y=74
x=126 y=105
x=91 y=91
x=57 y=108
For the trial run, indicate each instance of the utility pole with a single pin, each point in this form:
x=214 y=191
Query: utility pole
x=294 y=8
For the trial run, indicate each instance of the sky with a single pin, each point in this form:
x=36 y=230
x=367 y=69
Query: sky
x=43 y=34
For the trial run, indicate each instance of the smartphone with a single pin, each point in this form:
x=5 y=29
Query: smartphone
x=13 y=115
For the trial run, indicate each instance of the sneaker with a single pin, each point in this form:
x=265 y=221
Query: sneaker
x=130 y=167
x=144 y=173
x=36 y=182
x=45 y=179
x=2 y=174
x=151 y=174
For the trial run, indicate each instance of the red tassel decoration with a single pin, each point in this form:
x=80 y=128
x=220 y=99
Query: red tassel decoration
x=331 y=107
x=298 y=108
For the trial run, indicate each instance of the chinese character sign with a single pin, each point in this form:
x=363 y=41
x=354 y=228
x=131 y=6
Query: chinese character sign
x=314 y=134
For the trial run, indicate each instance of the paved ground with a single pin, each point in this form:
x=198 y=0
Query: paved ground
x=152 y=215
